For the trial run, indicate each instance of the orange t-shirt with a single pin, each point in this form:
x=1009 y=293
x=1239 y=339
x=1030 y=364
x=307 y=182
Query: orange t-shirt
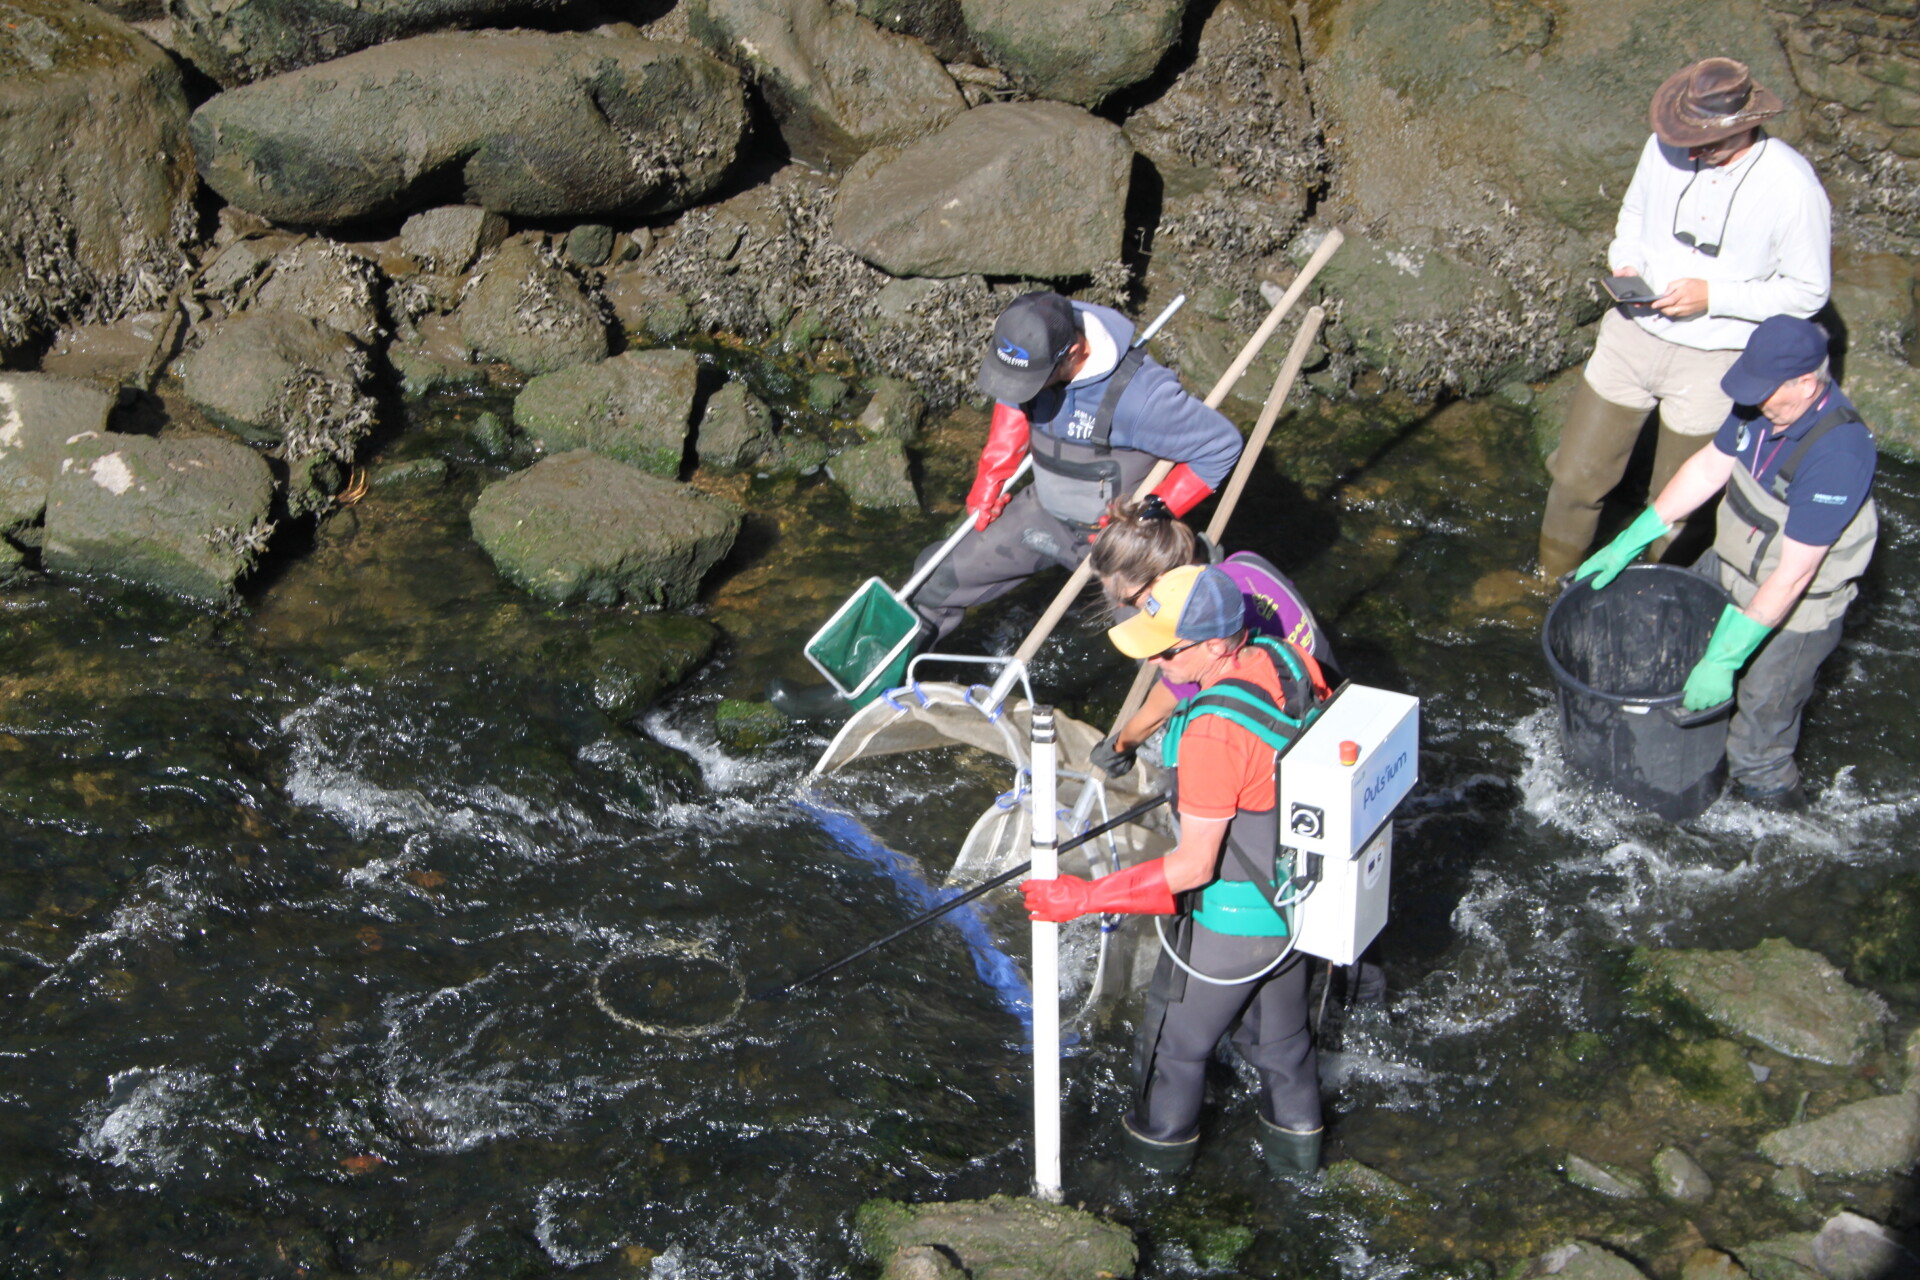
x=1224 y=768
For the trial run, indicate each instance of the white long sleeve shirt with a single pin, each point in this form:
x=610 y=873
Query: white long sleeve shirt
x=1767 y=212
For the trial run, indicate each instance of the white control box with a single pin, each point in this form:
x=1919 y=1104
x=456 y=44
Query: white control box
x=1333 y=809
x=1342 y=812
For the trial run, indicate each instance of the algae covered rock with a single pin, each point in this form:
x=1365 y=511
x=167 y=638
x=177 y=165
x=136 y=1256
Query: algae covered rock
x=1778 y=994
x=184 y=516
x=634 y=408
x=40 y=415
x=1879 y=1135
x=1788 y=1257
x=749 y=726
x=96 y=175
x=635 y=658
x=874 y=475
x=1033 y=189
x=580 y=526
x=278 y=378
x=528 y=310
x=1604 y=1179
x=893 y=410
x=1681 y=1178
x=1001 y=1238
x=519 y=122
x=1886 y=942
x=1045 y=47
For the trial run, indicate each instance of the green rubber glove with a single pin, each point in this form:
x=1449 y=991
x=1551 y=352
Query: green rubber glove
x=1607 y=562
x=1735 y=637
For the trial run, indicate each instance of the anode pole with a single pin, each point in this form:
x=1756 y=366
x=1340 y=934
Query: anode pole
x=1046 y=966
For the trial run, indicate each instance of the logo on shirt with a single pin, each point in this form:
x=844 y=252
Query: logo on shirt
x=1017 y=356
x=1831 y=499
x=1080 y=427
x=1740 y=441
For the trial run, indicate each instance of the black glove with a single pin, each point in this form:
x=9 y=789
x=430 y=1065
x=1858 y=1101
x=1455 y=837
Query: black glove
x=1110 y=761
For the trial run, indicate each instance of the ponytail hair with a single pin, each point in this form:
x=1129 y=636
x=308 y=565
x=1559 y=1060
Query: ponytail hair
x=1141 y=541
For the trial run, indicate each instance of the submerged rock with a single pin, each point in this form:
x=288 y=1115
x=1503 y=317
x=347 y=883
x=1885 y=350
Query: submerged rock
x=527 y=309
x=235 y=41
x=632 y=660
x=1581 y=1260
x=1879 y=1135
x=186 y=516
x=1886 y=941
x=1000 y=1238
x=1034 y=189
x=277 y=378
x=1681 y=1178
x=894 y=410
x=40 y=415
x=1850 y=1247
x=1046 y=47
x=1711 y=1264
x=635 y=408
x=838 y=85
x=96 y=176
x=1785 y=997
x=583 y=526
x=1788 y=1257
x=1604 y=1179
x=874 y=475
x=518 y=122
x=749 y=726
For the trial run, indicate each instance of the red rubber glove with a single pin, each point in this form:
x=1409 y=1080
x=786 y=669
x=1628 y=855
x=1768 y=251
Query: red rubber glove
x=1137 y=891
x=1006 y=445
x=1182 y=490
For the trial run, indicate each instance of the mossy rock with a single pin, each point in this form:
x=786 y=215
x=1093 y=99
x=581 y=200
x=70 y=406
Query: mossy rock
x=1782 y=996
x=636 y=658
x=635 y=408
x=1002 y=1237
x=1886 y=942
x=749 y=726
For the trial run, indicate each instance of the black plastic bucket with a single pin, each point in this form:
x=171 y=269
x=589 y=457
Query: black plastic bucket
x=1621 y=657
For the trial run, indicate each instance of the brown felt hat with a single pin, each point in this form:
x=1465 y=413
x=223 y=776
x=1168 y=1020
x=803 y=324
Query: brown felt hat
x=1713 y=99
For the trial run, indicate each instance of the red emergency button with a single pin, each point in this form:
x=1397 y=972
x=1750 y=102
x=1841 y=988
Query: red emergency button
x=1349 y=753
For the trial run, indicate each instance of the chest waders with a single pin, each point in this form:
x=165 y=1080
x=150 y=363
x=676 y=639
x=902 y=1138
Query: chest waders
x=1250 y=897
x=1748 y=528
x=1077 y=472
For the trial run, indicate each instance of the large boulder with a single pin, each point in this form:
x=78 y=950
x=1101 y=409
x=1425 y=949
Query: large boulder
x=521 y=123
x=1785 y=997
x=527 y=309
x=277 y=378
x=1075 y=50
x=40 y=416
x=635 y=408
x=580 y=526
x=1494 y=142
x=838 y=85
x=96 y=177
x=236 y=41
x=186 y=516
x=1035 y=189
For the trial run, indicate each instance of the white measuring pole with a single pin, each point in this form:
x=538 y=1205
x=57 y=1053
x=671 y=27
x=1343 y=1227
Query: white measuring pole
x=1046 y=966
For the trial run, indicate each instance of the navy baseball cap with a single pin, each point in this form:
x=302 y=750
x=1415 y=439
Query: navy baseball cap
x=1029 y=339
x=1779 y=350
x=1193 y=602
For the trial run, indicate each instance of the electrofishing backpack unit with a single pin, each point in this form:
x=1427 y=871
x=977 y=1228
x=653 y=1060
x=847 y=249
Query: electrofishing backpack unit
x=1345 y=764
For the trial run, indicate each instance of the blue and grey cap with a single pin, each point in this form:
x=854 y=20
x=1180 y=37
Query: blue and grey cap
x=1029 y=339
x=1780 y=349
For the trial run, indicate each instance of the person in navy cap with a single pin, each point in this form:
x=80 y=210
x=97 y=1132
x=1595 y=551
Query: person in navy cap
x=1796 y=526
x=1096 y=413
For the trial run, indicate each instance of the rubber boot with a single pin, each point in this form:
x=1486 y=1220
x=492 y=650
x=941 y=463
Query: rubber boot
x=820 y=702
x=1161 y=1157
x=1595 y=444
x=1289 y=1153
x=1792 y=798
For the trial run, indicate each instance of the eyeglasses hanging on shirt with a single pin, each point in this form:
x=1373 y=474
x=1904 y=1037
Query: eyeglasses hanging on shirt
x=1687 y=238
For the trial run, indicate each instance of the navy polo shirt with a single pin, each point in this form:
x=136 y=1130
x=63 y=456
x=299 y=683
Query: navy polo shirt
x=1834 y=479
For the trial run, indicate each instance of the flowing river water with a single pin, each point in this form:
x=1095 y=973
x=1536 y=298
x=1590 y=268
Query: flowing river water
x=302 y=911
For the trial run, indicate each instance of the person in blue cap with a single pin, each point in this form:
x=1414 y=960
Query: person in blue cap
x=1795 y=529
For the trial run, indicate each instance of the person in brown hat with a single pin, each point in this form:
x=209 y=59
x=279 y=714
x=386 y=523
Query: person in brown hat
x=1729 y=226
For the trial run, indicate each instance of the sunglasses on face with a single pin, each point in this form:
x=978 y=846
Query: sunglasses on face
x=1169 y=654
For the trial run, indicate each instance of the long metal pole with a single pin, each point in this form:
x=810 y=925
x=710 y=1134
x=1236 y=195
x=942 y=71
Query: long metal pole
x=1046 y=966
